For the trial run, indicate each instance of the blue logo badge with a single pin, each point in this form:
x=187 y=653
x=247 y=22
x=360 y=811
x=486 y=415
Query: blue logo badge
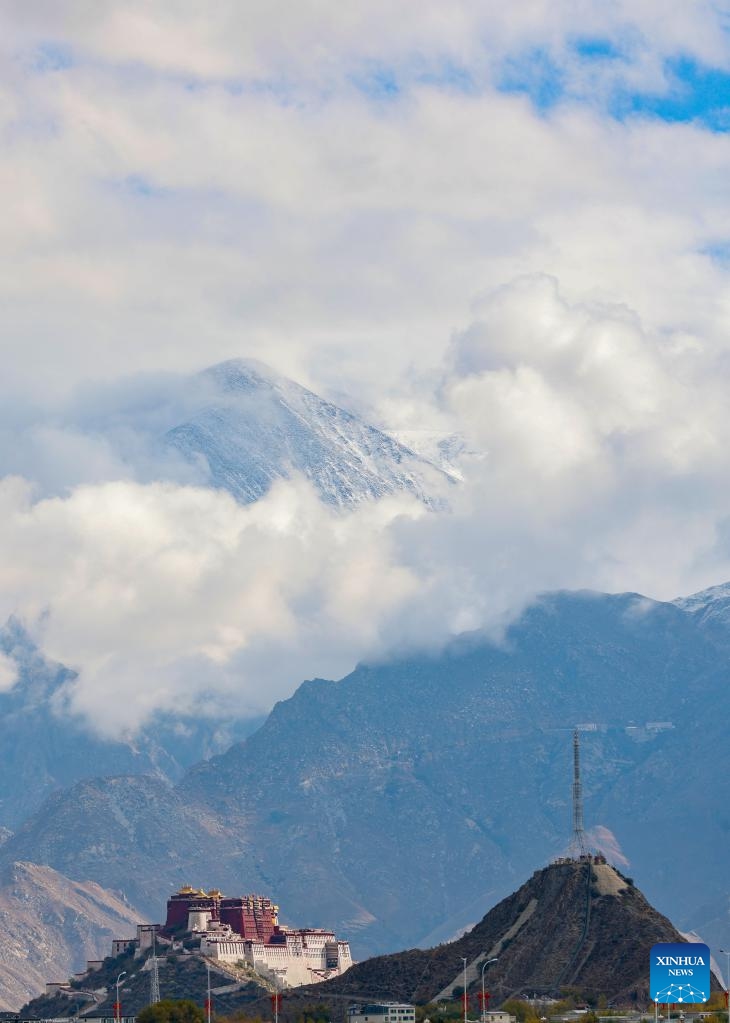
x=680 y=973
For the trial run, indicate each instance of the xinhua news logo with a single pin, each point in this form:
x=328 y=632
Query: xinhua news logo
x=680 y=973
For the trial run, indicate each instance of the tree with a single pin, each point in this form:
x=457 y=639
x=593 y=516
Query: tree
x=172 y=1010
x=314 y=1014
x=524 y=1012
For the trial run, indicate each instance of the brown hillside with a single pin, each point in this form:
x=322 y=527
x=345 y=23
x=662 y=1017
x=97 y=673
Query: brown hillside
x=577 y=924
x=51 y=926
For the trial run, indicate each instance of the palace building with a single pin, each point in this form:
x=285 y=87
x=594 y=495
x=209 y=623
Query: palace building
x=246 y=929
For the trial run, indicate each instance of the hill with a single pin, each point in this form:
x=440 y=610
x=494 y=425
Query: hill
x=51 y=925
x=180 y=976
x=574 y=924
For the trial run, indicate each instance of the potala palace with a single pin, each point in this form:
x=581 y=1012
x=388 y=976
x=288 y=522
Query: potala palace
x=245 y=929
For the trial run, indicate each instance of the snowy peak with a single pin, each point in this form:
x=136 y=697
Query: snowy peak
x=255 y=426
x=710 y=606
x=243 y=376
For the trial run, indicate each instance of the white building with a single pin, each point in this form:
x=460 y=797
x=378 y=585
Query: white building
x=293 y=958
x=382 y=1012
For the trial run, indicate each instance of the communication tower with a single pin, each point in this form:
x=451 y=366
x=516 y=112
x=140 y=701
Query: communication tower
x=578 y=842
x=154 y=974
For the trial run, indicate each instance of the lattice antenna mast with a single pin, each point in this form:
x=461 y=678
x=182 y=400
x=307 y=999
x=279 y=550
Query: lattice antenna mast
x=579 y=838
x=154 y=974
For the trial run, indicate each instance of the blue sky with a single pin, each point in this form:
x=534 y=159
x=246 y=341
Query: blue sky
x=696 y=93
x=689 y=92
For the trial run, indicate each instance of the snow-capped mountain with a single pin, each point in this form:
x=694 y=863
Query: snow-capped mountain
x=710 y=606
x=446 y=450
x=256 y=426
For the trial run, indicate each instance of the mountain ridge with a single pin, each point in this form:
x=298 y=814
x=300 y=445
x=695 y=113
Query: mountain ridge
x=256 y=426
x=452 y=757
x=414 y=793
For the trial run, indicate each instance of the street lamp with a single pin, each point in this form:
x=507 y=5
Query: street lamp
x=208 y=1003
x=485 y=964
x=727 y=981
x=118 y=1006
x=465 y=998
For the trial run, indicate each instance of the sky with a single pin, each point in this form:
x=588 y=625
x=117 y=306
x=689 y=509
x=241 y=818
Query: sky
x=509 y=223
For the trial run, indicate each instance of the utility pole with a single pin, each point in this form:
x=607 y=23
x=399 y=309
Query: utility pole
x=466 y=997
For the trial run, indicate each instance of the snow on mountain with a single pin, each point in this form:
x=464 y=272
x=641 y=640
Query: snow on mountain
x=256 y=427
x=710 y=606
x=446 y=450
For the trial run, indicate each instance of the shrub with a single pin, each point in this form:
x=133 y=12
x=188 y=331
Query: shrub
x=172 y=1010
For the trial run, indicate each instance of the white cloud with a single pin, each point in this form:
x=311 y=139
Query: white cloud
x=317 y=41
x=8 y=672
x=595 y=466
x=179 y=598
x=181 y=189
x=585 y=386
x=169 y=220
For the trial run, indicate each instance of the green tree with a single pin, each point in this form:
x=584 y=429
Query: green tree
x=524 y=1012
x=314 y=1014
x=238 y=1016
x=172 y=1010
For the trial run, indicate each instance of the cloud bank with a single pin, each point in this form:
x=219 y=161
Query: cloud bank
x=590 y=464
x=509 y=225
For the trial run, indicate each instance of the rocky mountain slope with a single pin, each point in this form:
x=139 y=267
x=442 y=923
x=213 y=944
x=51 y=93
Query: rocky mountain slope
x=579 y=925
x=451 y=774
x=255 y=426
x=51 y=926
x=400 y=803
x=133 y=834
